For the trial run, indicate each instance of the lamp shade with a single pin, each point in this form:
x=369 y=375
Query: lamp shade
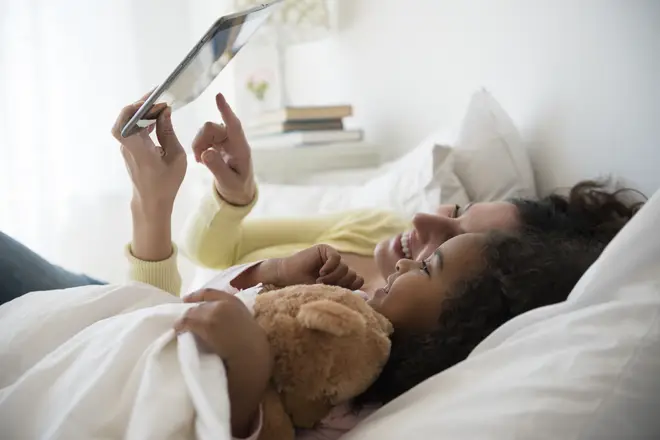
x=295 y=21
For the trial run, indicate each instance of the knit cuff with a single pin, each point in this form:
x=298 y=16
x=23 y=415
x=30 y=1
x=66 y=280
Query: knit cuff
x=161 y=274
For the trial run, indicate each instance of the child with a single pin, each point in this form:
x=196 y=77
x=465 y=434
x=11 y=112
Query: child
x=443 y=306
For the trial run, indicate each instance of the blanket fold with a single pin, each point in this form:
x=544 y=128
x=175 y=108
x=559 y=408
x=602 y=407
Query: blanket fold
x=103 y=362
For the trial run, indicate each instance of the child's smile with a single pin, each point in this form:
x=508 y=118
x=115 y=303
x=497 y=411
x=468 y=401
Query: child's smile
x=413 y=295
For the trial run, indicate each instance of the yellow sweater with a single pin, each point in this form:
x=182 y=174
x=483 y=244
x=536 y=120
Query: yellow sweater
x=219 y=236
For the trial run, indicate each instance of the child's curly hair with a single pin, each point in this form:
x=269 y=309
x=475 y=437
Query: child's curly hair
x=522 y=272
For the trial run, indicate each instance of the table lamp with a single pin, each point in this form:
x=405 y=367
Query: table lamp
x=294 y=22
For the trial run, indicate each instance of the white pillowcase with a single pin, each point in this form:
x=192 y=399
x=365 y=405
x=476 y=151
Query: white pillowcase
x=491 y=160
x=419 y=181
x=586 y=369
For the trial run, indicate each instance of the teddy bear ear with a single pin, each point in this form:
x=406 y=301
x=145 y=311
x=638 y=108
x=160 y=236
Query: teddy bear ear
x=331 y=317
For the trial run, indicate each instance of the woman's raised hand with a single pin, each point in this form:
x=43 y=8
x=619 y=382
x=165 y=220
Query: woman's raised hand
x=225 y=151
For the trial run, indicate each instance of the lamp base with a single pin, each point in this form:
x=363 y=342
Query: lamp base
x=281 y=49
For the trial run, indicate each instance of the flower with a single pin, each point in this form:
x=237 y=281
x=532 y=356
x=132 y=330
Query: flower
x=258 y=87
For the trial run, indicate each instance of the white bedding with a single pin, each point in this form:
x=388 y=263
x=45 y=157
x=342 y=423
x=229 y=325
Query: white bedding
x=104 y=362
x=584 y=369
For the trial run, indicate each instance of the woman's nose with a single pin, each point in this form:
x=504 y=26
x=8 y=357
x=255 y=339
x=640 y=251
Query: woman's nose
x=446 y=210
x=431 y=227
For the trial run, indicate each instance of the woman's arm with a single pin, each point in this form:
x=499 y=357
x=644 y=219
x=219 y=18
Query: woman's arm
x=151 y=254
x=152 y=232
x=218 y=235
x=156 y=172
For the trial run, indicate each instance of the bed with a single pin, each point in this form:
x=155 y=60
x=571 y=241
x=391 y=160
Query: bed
x=585 y=369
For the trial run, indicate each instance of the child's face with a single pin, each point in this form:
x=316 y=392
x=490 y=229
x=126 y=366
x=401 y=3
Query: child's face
x=412 y=299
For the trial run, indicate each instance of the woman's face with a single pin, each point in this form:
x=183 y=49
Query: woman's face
x=413 y=296
x=431 y=230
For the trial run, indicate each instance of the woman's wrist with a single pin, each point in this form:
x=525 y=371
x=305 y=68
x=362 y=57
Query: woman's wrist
x=151 y=209
x=152 y=231
x=238 y=198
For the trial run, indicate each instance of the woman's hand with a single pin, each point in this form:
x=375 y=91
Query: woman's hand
x=157 y=173
x=226 y=327
x=225 y=151
x=320 y=264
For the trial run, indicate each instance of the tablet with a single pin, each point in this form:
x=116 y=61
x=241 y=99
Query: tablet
x=203 y=63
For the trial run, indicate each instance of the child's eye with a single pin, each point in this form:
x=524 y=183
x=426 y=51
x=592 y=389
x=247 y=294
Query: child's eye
x=425 y=267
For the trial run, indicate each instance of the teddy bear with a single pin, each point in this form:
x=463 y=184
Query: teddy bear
x=328 y=347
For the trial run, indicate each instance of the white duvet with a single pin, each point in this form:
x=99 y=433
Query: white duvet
x=102 y=362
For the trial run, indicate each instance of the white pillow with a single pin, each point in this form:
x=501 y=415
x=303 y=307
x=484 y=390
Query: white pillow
x=586 y=369
x=491 y=160
x=419 y=181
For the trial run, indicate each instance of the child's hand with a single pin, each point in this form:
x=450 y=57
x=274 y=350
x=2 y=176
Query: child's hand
x=222 y=322
x=320 y=264
x=226 y=327
x=225 y=151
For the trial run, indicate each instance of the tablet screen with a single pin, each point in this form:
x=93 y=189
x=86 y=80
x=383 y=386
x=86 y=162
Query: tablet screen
x=216 y=53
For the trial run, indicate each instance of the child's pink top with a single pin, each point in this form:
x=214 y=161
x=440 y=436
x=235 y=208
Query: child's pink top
x=340 y=420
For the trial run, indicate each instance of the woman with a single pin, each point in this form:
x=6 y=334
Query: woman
x=370 y=241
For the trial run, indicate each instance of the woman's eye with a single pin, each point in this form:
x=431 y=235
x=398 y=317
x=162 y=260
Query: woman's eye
x=425 y=267
x=457 y=209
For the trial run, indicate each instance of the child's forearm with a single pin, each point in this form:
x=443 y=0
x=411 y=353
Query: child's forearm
x=247 y=380
x=152 y=232
x=265 y=272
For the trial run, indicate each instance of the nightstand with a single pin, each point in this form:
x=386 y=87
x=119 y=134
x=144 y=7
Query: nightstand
x=290 y=165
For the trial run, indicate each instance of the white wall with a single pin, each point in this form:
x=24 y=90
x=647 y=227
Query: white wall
x=579 y=77
x=67 y=193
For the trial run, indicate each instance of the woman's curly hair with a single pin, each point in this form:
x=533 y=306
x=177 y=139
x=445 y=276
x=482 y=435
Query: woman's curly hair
x=521 y=272
x=591 y=210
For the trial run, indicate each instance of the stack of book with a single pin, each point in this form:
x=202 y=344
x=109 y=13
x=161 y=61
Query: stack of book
x=302 y=126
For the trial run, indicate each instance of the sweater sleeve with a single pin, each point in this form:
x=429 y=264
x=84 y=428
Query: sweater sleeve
x=161 y=274
x=218 y=235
